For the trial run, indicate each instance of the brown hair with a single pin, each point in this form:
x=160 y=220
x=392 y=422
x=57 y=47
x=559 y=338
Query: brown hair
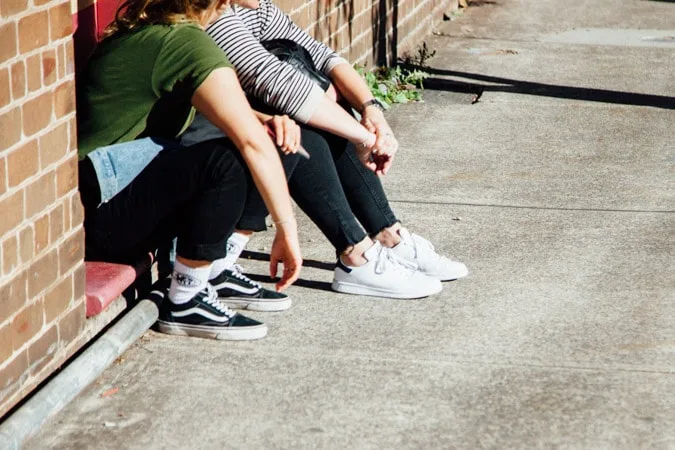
x=133 y=14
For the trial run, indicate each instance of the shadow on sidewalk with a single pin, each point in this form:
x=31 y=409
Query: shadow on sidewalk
x=540 y=89
x=311 y=284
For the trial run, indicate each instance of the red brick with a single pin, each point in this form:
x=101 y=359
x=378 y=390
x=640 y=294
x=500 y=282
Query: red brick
x=34 y=73
x=67 y=214
x=27 y=324
x=12 y=212
x=42 y=351
x=42 y=273
x=66 y=176
x=18 y=79
x=70 y=57
x=77 y=211
x=40 y=194
x=64 y=99
x=56 y=223
x=13 y=375
x=10 y=254
x=71 y=252
x=48 y=67
x=54 y=145
x=5 y=87
x=37 y=113
x=58 y=299
x=60 y=21
x=22 y=163
x=33 y=31
x=79 y=281
x=12 y=295
x=3 y=175
x=26 y=244
x=11 y=7
x=8 y=38
x=72 y=325
x=72 y=135
x=61 y=61
x=5 y=341
x=10 y=128
x=41 y=233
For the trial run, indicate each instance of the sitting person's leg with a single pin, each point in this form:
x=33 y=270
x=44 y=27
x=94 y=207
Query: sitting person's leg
x=234 y=288
x=367 y=198
x=364 y=267
x=194 y=193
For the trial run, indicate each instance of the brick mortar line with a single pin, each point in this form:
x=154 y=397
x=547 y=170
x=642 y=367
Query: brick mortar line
x=43 y=89
x=45 y=325
x=43 y=132
x=26 y=345
x=53 y=245
x=58 y=360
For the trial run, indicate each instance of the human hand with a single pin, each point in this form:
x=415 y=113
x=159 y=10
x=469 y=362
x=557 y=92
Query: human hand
x=386 y=144
x=364 y=151
x=286 y=249
x=285 y=133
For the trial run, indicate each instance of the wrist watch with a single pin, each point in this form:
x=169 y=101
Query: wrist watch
x=373 y=102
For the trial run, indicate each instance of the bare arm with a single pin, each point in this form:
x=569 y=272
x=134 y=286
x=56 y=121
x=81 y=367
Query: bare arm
x=237 y=120
x=352 y=87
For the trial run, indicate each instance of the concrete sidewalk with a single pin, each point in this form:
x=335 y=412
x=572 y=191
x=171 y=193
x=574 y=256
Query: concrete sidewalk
x=556 y=188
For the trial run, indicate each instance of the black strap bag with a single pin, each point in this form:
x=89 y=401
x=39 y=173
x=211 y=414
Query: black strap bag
x=297 y=56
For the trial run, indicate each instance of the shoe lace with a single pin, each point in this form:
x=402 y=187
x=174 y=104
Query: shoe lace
x=212 y=299
x=238 y=272
x=426 y=248
x=387 y=260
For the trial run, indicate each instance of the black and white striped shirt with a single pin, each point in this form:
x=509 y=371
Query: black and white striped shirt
x=239 y=32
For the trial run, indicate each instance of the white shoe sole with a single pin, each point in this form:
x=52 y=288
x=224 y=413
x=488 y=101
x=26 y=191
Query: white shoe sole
x=452 y=277
x=220 y=334
x=359 y=289
x=256 y=305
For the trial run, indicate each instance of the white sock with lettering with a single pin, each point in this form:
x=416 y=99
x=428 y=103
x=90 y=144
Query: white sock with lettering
x=235 y=245
x=186 y=282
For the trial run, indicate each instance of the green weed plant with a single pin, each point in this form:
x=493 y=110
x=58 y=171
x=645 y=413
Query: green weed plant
x=394 y=84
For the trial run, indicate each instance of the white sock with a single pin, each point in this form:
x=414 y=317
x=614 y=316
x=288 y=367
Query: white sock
x=186 y=282
x=235 y=245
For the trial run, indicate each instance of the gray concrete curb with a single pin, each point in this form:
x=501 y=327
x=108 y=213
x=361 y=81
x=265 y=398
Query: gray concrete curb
x=54 y=396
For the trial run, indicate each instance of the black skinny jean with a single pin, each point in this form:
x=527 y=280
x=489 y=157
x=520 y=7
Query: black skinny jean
x=333 y=188
x=196 y=193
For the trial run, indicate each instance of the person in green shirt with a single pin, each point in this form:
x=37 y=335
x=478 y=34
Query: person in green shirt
x=139 y=92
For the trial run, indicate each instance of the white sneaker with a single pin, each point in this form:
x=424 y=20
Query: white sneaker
x=384 y=275
x=421 y=252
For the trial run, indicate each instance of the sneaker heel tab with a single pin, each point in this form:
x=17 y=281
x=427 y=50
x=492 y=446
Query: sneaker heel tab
x=342 y=266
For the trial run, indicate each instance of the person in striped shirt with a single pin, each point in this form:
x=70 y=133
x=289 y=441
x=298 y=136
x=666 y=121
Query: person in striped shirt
x=339 y=187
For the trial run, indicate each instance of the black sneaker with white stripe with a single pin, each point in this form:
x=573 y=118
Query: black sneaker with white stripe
x=206 y=317
x=238 y=291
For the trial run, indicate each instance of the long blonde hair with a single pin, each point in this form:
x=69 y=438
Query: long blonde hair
x=133 y=14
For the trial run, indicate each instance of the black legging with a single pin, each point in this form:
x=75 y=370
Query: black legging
x=332 y=187
x=196 y=193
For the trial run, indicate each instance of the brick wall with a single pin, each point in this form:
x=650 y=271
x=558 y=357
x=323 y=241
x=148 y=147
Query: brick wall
x=41 y=236
x=368 y=32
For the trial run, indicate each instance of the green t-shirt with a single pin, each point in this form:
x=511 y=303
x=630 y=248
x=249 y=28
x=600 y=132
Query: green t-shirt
x=140 y=84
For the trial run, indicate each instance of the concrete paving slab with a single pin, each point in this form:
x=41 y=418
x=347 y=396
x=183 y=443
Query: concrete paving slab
x=562 y=334
x=323 y=401
x=533 y=19
x=514 y=71
x=567 y=156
